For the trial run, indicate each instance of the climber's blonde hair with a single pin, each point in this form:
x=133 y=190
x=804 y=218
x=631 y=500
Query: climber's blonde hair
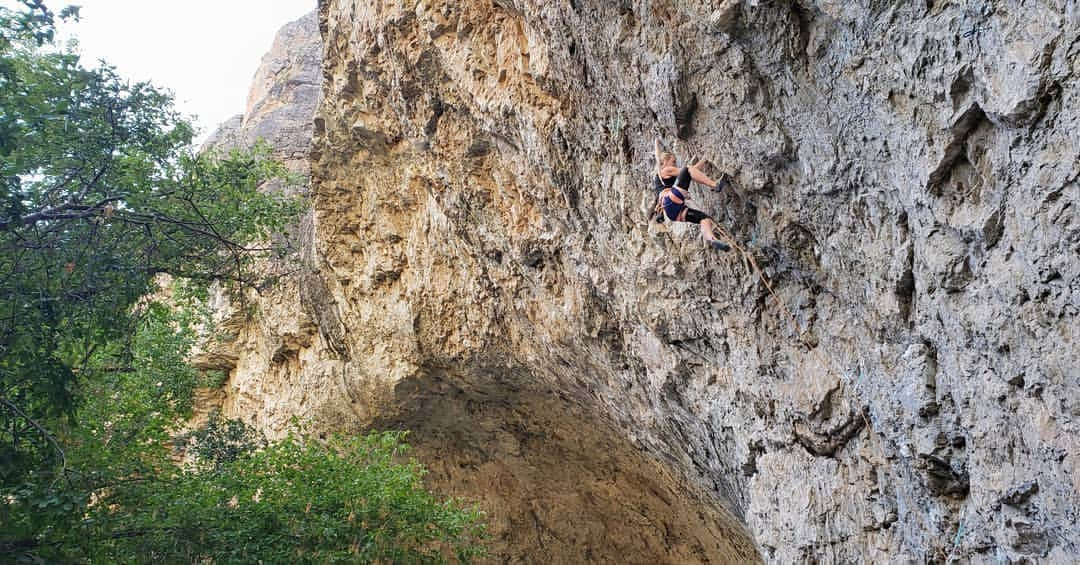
x=666 y=156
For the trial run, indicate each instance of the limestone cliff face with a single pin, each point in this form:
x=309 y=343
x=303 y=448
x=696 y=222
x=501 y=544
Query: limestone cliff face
x=281 y=104
x=284 y=93
x=481 y=272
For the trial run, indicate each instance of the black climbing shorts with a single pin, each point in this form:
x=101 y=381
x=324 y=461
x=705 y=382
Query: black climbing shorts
x=695 y=216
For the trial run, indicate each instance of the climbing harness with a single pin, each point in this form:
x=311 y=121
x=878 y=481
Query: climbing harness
x=669 y=194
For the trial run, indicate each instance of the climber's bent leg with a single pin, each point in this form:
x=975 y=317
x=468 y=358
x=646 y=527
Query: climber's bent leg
x=684 y=178
x=708 y=226
x=699 y=176
x=704 y=220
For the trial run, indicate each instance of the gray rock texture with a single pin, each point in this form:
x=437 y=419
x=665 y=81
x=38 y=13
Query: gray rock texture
x=284 y=93
x=905 y=175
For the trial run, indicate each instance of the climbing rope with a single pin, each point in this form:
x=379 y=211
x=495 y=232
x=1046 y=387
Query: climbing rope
x=749 y=259
x=751 y=262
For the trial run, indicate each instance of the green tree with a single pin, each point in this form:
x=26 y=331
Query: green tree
x=101 y=194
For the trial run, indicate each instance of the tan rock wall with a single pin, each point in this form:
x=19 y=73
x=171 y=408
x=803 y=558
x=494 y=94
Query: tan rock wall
x=483 y=273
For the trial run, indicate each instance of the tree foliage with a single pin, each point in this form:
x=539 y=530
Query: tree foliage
x=343 y=500
x=100 y=195
x=222 y=441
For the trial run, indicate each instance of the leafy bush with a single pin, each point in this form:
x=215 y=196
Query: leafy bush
x=222 y=441
x=343 y=500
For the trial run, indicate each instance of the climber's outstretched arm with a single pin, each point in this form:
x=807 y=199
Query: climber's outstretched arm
x=665 y=162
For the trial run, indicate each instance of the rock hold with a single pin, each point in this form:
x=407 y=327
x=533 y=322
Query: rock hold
x=1021 y=493
x=825 y=443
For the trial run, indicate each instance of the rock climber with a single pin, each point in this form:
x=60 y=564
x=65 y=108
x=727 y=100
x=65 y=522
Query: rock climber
x=672 y=185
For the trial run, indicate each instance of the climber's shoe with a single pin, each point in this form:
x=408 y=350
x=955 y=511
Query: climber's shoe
x=719 y=245
x=720 y=184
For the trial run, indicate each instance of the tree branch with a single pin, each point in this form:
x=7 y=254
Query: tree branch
x=57 y=212
x=41 y=429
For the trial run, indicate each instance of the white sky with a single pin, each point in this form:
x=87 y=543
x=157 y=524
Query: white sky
x=205 y=51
